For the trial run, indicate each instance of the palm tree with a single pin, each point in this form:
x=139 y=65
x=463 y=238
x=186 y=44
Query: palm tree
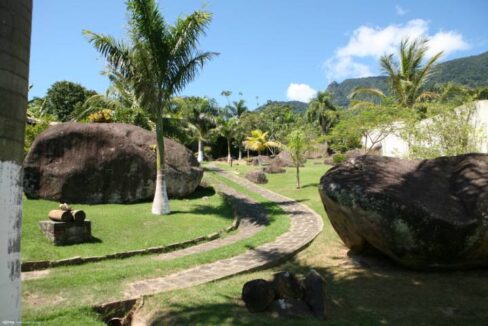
x=238 y=109
x=322 y=111
x=258 y=142
x=199 y=114
x=406 y=76
x=159 y=61
x=15 y=18
x=226 y=128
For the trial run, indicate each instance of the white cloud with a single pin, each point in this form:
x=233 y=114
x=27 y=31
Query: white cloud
x=400 y=11
x=300 y=92
x=373 y=42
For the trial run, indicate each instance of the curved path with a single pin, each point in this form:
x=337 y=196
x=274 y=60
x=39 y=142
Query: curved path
x=305 y=226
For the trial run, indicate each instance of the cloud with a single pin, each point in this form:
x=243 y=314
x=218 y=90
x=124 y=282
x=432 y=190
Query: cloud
x=400 y=11
x=300 y=92
x=372 y=42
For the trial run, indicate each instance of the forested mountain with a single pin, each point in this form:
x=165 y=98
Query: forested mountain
x=296 y=106
x=470 y=71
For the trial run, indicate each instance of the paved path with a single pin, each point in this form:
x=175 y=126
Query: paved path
x=252 y=219
x=305 y=226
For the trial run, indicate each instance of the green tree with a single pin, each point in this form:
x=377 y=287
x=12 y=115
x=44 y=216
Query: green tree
x=407 y=74
x=227 y=128
x=238 y=108
x=297 y=146
x=322 y=111
x=65 y=97
x=159 y=60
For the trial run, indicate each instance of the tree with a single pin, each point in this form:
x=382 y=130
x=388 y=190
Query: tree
x=65 y=97
x=199 y=113
x=258 y=142
x=227 y=95
x=15 y=32
x=298 y=144
x=238 y=109
x=322 y=111
x=407 y=75
x=226 y=128
x=159 y=60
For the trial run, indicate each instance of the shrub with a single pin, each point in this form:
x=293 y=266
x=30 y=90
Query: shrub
x=338 y=158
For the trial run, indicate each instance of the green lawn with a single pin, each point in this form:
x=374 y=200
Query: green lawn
x=65 y=293
x=119 y=228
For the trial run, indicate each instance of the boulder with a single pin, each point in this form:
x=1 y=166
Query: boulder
x=274 y=168
x=257 y=295
x=104 y=163
x=315 y=293
x=257 y=177
x=290 y=308
x=287 y=286
x=283 y=159
x=424 y=214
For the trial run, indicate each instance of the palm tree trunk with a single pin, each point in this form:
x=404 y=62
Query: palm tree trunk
x=200 y=151
x=240 y=153
x=229 y=157
x=160 y=204
x=15 y=18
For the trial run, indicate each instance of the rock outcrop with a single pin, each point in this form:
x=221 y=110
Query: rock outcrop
x=104 y=163
x=429 y=214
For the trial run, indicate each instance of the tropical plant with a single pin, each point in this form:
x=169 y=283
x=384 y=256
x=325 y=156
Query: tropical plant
x=226 y=128
x=297 y=146
x=199 y=113
x=65 y=97
x=258 y=142
x=322 y=111
x=159 y=60
x=407 y=75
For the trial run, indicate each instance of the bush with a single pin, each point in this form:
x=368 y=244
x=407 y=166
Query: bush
x=338 y=158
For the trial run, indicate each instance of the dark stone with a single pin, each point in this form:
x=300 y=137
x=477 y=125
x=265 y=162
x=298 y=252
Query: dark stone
x=258 y=295
x=290 y=308
x=274 y=167
x=104 y=163
x=287 y=286
x=257 y=177
x=429 y=214
x=283 y=159
x=315 y=294
x=66 y=233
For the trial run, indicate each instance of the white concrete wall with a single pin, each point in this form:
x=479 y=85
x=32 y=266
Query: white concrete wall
x=10 y=223
x=395 y=146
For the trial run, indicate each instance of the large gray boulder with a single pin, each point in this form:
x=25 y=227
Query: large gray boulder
x=104 y=163
x=430 y=214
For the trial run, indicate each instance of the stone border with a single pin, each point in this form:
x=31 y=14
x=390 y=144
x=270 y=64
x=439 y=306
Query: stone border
x=30 y=266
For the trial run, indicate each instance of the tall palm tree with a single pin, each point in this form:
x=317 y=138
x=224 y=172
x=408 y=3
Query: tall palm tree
x=322 y=111
x=238 y=109
x=406 y=75
x=200 y=116
x=15 y=21
x=160 y=59
x=227 y=128
x=258 y=142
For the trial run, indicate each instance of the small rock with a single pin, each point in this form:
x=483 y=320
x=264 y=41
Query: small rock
x=257 y=295
x=257 y=177
x=287 y=286
x=290 y=308
x=315 y=293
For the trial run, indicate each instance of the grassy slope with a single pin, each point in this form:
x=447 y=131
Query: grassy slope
x=78 y=286
x=380 y=295
x=127 y=227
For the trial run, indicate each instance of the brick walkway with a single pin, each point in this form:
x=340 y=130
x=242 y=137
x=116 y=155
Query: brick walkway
x=305 y=226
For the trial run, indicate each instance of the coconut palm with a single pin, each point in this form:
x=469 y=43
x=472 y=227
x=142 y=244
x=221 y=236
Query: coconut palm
x=237 y=110
x=159 y=60
x=200 y=116
x=258 y=142
x=407 y=75
x=226 y=128
x=322 y=111
x=15 y=18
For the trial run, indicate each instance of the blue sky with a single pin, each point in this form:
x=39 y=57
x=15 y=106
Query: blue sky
x=270 y=49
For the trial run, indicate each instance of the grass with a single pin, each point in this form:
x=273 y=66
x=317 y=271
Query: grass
x=118 y=228
x=381 y=294
x=47 y=299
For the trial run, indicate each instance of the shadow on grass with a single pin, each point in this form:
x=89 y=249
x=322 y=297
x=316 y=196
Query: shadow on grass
x=311 y=185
